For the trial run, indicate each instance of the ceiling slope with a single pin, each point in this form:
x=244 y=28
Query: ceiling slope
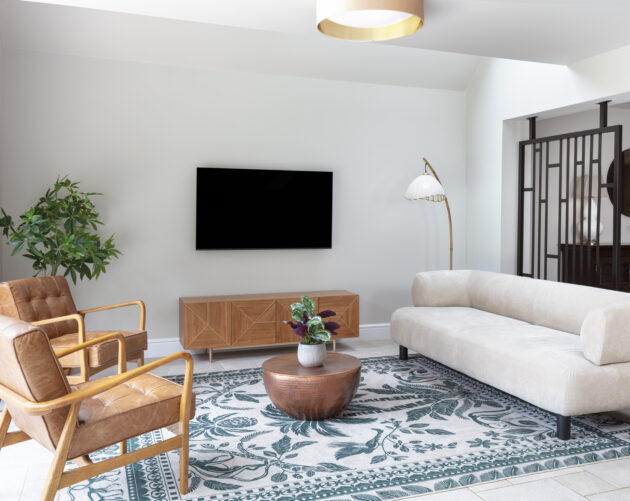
x=128 y=37
x=548 y=31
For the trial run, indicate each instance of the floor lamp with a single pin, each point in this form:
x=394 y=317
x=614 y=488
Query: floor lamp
x=425 y=187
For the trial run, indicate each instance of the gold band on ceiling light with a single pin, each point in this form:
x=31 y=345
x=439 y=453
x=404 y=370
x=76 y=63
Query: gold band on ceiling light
x=327 y=9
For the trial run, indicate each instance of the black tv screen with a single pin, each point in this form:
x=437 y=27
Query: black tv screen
x=263 y=209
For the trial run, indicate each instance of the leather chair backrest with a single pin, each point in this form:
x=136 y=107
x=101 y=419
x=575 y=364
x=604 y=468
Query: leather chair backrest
x=29 y=367
x=39 y=298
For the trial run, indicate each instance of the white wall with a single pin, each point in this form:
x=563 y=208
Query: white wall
x=502 y=90
x=137 y=132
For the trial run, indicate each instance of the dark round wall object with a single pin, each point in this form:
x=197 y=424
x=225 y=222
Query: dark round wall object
x=625 y=192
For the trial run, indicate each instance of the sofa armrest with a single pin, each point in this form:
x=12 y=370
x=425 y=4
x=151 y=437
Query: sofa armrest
x=441 y=288
x=605 y=334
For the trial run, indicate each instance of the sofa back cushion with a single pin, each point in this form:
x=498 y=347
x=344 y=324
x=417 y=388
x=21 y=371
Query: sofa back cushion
x=556 y=305
x=441 y=288
x=39 y=298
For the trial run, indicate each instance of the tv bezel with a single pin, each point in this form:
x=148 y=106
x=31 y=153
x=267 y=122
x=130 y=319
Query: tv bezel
x=262 y=248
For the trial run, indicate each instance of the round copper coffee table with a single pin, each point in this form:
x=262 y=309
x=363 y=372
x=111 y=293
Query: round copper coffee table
x=314 y=393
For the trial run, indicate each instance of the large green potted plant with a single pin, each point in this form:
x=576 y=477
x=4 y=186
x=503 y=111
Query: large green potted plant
x=313 y=331
x=59 y=233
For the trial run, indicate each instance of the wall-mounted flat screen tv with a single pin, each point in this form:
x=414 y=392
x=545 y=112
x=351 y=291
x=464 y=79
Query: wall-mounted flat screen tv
x=263 y=209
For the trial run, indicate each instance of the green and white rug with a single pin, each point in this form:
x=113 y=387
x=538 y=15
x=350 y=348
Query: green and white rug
x=414 y=426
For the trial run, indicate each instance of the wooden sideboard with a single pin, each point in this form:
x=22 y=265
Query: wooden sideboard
x=581 y=265
x=211 y=322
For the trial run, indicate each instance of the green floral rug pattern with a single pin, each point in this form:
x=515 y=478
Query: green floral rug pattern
x=414 y=426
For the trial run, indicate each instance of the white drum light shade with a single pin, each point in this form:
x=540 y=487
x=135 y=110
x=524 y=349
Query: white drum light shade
x=425 y=187
x=368 y=20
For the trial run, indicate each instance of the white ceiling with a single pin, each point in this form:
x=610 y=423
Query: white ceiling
x=550 y=31
x=280 y=37
x=112 y=35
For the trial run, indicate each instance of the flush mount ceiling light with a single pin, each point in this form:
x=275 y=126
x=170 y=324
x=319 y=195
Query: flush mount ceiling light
x=368 y=20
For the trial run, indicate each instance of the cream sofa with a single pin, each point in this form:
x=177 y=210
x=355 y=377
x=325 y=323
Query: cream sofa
x=562 y=347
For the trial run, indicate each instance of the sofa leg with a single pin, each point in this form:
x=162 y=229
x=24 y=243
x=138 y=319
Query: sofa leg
x=403 y=353
x=563 y=427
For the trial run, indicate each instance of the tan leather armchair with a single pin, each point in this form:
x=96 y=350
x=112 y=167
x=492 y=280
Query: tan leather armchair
x=72 y=422
x=47 y=301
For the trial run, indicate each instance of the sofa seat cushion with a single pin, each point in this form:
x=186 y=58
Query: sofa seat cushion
x=422 y=326
x=103 y=353
x=542 y=366
x=144 y=403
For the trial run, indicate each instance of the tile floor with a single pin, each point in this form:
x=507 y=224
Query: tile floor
x=23 y=467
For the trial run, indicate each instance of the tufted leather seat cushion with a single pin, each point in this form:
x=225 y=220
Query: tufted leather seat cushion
x=103 y=353
x=142 y=404
x=39 y=298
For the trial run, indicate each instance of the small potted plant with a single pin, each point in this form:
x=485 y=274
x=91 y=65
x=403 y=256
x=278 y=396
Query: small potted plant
x=313 y=330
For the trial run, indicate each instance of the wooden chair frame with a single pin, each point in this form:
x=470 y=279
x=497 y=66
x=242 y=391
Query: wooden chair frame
x=85 y=370
x=57 y=478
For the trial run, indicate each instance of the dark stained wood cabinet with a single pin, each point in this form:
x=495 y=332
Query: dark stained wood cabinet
x=211 y=322
x=578 y=265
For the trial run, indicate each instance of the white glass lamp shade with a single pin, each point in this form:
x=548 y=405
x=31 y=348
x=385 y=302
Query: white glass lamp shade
x=366 y=20
x=425 y=187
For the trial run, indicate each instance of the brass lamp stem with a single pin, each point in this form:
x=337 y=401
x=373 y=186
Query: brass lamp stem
x=448 y=210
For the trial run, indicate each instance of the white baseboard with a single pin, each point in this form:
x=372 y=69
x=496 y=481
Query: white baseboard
x=159 y=348
x=165 y=346
x=374 y=331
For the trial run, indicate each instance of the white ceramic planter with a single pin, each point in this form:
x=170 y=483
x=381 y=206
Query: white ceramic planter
x=311 y=355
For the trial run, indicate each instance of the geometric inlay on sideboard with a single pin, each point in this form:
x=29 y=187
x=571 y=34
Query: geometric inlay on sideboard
x=253 y=322
x=347 y=313
x=207 y=324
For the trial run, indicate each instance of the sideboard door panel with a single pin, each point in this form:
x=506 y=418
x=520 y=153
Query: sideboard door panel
x=347 y=309
x=253 y=322
x=207 y=325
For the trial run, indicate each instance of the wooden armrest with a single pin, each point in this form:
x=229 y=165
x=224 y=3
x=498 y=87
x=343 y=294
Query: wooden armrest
x=80 y=337
x=73 y=316
x=140 y=304
x=122 y=348
x=101 y=385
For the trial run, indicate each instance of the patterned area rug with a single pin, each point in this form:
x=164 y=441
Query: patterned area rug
x=413 y=427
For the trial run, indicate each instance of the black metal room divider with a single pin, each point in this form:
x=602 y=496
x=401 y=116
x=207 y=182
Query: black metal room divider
x=561 y=217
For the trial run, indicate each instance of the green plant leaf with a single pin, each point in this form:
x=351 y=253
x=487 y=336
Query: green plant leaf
x=322 y=335
x=309 y=304
x=315 y=324
x=298 y=311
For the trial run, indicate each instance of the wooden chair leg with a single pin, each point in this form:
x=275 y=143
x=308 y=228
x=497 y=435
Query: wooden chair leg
x=140 y=360
x=5 y=421
x=61 y=455
x=123 y=447
x=183 y=460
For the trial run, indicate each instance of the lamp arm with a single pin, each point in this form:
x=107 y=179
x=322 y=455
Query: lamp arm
x=450 y=230
x=448 y=210
x=432 y=170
